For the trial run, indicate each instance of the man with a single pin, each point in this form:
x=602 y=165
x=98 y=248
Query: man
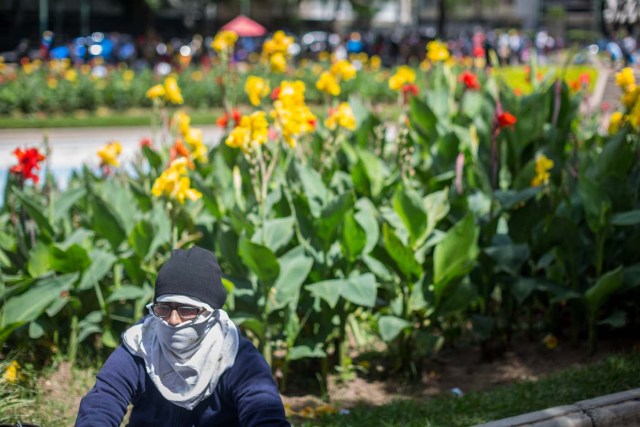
x=185 y=364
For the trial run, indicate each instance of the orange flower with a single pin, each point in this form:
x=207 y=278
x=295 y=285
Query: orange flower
x=180 y=150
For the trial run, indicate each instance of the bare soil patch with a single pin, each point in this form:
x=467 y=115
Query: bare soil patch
x=458 y=370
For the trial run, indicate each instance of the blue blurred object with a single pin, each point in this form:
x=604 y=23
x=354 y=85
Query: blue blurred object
x=59 y=52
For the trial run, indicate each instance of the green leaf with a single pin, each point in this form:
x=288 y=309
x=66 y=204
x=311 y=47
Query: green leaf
x=275 y=233
x=35 y=330
x=305 y=351
x=596 y=203
x=360 y=290
x=391 y=326
x=39 y=262
x=101 y=263
x=65 y=201
x=35 y=211
x=75 y=258
x=295 y=266
x=327 y=290
x=509 y=258
x=141 y=238
x=510 y=198
x=366 y=217
x=153 y=157
x=259 y=259
x=626 y=218
x=129 y=292
x=410 y=208
x=423 y=119
x=314 y=189
x=455 y=255
x=437 y=207
x=109 y=338
x=105 y=223
x=353 y=239
x=606 y=285
x=30 y=305
x=374 y=169
x=332 y=217
x=402 y=255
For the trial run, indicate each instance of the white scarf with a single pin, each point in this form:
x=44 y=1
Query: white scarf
x=185 y=362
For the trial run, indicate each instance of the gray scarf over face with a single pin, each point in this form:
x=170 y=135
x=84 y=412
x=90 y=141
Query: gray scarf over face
x=185 y=361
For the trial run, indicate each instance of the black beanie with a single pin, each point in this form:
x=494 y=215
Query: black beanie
x=193 y=272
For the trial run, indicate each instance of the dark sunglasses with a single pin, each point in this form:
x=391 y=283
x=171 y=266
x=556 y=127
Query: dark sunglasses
x=184 y=311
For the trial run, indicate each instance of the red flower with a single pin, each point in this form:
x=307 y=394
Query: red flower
x=236 y=116
x=275 y=93
x=584 y=79
x=478 y=52
x=470 y=80
x=506 y=119
x=28 y=160
x=146 y=142
x=410 y=89
x=223 y=120
x=312 y=123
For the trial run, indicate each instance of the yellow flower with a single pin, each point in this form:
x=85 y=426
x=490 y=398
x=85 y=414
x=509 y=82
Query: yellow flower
x=630 y=96
x=323 y=56
x=182 y=121
x=625 y=78
x=292 y=115
x=256 y=88
x=343 y=69
x=71 y=75
x=252 y=130
x=155 y=92
x=425 y=65
x=12 y=372
x=375 y=62
x=341 y=116
x=543 y=166
x=109 y=153
x=175 y=184
x=550 y=341
x=193 y=137
x=224 y=41
x=404 y=75
x=278 y=62
x=437 y=51
x=327 y=83
x=172 y=91
x=280 y=42
x=128 y=75
x=615 y=122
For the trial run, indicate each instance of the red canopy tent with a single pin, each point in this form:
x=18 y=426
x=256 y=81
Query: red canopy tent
x=245 y=27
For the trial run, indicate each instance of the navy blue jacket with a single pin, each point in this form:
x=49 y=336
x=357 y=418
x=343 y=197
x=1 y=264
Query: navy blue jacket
x=246 y=395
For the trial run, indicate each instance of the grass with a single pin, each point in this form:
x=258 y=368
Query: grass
x=614 y=374
x=50 y=398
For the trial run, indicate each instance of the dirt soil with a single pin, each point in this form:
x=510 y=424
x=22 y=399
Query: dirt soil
x=463 y=369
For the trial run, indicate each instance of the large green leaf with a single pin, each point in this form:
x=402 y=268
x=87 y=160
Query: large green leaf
x=366 y=217
x=423 y=119
x=259 y=259
x=353 y=238
x=39 y=260
x=122 y=202
x=455 y=255
x=314 y=189
x=141 y=238
x=626 y=218
x=35 y=211
x=509 y=258
x=295 y=266
x=402 y=255
x=411 y=210
x=332 y=216
x=360 y=290
x=106 y=223
x=606 y=285
x=101 y=263
x=130 y=292
x=391 y=326
x=74 y=258
x=275 y=233
x=65 y=201
x=31 y=304
x=437 y=206
x=511 y=198
x=303 y=351
x=596 y=203
x=374 y=169
x=327 y=290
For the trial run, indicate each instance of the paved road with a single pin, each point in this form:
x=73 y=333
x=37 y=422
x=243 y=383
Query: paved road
x=71 y=147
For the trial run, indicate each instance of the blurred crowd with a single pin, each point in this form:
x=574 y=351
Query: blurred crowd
x=497 y=46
